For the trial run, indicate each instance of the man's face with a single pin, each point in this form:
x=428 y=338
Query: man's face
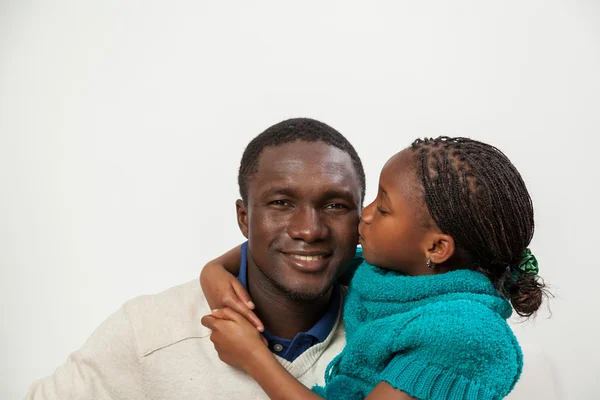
x=301 y=217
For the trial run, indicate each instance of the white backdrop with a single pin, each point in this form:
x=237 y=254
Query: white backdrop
x=122 y=125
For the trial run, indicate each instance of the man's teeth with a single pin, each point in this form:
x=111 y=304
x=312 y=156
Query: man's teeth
x=307 y=258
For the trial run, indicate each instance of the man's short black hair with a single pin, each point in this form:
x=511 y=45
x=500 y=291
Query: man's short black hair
x=291 y=130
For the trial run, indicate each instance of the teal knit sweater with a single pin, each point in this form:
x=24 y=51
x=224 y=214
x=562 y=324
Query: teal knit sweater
x=433 y=337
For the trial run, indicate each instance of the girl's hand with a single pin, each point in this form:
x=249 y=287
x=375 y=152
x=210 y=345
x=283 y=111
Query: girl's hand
x=222 y=289
x=237 y=342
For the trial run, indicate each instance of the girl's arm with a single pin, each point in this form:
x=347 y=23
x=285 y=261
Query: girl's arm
x=276 y=381
x=385 y=391
x=279 y=384
x=240 y=346
x=222 y=289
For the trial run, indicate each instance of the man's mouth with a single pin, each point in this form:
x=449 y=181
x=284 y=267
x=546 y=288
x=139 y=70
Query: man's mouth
x=307 y=258
x=308 y=261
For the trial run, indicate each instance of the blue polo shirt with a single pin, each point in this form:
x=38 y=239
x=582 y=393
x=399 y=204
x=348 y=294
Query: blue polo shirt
x=291 y=349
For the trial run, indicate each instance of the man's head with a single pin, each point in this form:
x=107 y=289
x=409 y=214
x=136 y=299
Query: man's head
x=302 y=186
x=289 y=131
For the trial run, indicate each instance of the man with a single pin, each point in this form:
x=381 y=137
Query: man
x=302 y=186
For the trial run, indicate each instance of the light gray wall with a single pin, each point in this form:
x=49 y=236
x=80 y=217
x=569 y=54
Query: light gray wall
x=122 y=124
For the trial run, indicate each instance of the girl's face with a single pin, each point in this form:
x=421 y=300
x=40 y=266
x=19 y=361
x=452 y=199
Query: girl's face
x=396 y=226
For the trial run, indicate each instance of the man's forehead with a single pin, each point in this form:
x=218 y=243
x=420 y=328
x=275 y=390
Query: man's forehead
x=301 y=152
x=306 y=165
x=294 y=173
x=303 y=157
x=318 y=166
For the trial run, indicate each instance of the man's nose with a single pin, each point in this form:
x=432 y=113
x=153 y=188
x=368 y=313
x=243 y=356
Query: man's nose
x=307 y=224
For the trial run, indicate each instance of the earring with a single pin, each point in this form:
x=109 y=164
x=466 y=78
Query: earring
x=430 y=264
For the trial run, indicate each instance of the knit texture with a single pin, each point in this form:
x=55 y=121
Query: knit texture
x=154 y=348
x=434 y=337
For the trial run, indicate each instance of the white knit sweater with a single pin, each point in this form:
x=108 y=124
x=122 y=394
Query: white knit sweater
x=154 y=347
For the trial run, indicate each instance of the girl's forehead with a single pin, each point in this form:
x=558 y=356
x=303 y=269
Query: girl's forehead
x=399 y=176
x=400 y=166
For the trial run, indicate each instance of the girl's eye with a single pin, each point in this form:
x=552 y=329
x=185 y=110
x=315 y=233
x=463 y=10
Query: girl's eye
x=381 y=211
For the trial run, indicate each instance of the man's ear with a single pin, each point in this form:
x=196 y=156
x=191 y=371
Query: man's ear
x=441 y=248
x=242 y=217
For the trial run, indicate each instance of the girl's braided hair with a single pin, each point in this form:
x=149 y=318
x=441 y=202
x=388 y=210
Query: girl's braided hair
x=476 y=195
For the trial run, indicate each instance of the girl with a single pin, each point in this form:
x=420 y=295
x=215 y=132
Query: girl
x=445 y=250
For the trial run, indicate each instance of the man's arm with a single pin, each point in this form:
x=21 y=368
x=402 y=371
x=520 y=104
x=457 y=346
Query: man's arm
x=106 y=367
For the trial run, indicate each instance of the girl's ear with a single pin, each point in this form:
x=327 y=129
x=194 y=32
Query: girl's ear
x=441 y=248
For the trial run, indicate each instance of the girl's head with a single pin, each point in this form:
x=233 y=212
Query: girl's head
x=451 y=203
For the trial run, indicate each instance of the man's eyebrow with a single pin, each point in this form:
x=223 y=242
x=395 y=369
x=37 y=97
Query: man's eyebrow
x=339 y=194
x=284 y=191
x=326 y=195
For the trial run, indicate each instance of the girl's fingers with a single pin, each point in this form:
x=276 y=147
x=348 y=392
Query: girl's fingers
x=227 y=313
x=208 y=321
x=218 y=314
x=253 y=319
x=231 y=314
x=242 y=293
x=242 y=308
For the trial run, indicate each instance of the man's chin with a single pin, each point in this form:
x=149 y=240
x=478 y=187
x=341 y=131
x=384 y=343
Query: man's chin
x=303 y=289
x=300 y=295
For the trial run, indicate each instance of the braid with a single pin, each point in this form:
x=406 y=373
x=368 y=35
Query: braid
x=476 y=195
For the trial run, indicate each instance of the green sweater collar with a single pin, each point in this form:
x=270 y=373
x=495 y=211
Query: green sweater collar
x=381 y=289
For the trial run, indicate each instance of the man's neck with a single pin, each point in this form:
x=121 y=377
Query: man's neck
x=282 y=316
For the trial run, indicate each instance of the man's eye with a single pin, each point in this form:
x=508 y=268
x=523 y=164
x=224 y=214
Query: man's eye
x=279 y=203
x=337 y=207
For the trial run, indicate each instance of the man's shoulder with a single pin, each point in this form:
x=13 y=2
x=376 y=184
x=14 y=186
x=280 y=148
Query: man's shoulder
x=168 y=317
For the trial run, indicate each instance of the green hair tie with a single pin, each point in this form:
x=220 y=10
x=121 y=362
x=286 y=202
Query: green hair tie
x=528 y=264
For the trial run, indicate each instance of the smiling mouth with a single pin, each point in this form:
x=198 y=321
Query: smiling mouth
x=307 y=258
x=309 y=261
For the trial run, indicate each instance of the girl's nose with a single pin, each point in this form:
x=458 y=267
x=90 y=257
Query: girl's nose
x=367 y=214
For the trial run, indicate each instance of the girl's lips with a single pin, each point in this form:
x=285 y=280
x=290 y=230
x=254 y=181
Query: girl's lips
x=361 y=229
